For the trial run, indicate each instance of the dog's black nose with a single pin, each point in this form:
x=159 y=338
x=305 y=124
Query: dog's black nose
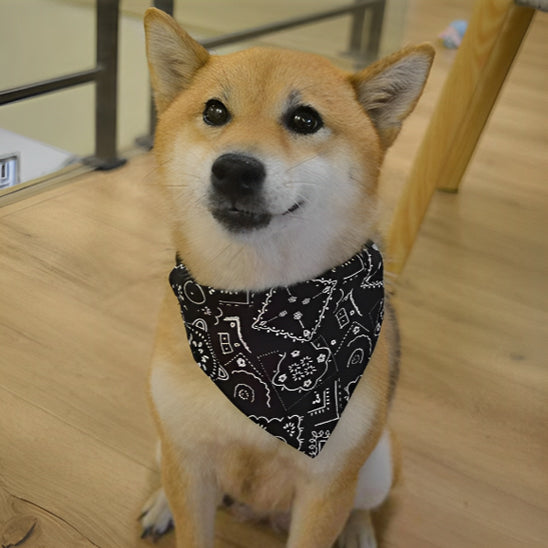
x=237 y=175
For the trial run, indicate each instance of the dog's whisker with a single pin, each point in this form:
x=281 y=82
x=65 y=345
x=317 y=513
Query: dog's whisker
x=302 y=162
x=228 y=250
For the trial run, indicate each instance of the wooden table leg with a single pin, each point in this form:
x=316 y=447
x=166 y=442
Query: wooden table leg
x=494 y=34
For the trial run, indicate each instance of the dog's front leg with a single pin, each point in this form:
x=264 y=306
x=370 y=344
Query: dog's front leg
x=319 y=514
x=193 y=497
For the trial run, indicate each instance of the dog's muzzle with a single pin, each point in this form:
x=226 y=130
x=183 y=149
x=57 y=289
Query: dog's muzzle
x=236 y=192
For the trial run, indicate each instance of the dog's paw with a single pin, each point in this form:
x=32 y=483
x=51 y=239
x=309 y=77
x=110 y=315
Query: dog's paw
x=358 y=531
x=156 y=519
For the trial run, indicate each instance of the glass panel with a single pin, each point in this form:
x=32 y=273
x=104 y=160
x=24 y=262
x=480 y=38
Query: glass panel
x=44 y=39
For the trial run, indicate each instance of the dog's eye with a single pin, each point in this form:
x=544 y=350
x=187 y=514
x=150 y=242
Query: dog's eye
x=304 y=120
x=215 y=113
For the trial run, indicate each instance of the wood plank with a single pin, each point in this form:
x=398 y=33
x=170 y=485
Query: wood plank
x=29 y=524
x=78 y=316
x=57 y=467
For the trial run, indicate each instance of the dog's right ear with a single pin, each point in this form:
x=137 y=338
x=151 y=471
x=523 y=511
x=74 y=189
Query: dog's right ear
x=173 y=57
x=389 y=89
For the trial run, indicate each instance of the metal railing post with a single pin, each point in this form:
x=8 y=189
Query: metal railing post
x=356 y=31
x=366 y=53
x=375 y=30
x=106 y=88
x=147 y=141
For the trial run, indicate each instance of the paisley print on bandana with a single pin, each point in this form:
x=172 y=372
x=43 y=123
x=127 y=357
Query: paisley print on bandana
x=289 y=357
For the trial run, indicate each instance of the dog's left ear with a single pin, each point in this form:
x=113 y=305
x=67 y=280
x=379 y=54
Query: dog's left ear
x=389 y=89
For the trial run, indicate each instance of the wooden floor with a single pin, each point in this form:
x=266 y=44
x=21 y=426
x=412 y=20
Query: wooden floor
x=82 y=271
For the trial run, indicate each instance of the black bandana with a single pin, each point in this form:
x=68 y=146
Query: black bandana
x=289 y=357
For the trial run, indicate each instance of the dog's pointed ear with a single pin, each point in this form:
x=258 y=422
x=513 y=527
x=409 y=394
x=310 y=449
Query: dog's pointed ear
x=389 y=89
x=173 y=56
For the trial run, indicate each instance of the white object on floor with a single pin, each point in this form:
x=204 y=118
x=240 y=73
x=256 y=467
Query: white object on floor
x=36 y=159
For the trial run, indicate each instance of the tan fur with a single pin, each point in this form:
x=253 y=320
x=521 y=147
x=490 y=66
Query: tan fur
x=224 y=452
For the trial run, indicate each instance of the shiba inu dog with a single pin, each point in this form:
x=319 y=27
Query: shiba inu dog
x=269 y=161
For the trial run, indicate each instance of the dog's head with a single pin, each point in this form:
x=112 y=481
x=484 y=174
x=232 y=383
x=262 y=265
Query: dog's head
x=271 y=157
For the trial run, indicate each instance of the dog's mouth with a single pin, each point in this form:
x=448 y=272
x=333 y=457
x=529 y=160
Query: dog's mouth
x=238 y=219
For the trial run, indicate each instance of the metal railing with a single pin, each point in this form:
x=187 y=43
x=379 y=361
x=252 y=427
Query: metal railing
x=356 y=48
x=358 y=9
x=105 y=72
x=105 y=76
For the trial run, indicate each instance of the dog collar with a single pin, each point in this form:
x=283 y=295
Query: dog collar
x=289 y=357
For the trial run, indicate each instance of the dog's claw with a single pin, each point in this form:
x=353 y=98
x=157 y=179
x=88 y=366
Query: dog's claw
x=157 y=534
x=146 y=532
x=156 y=519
